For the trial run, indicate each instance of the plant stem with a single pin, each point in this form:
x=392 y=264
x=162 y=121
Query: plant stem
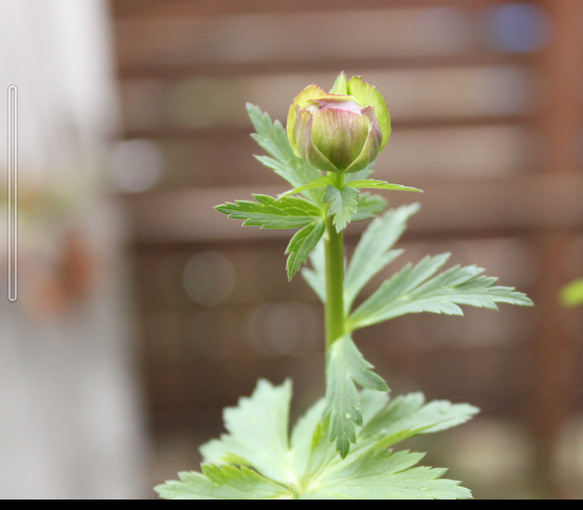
x=334 y=253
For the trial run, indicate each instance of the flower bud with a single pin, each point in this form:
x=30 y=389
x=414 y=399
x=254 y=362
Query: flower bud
x=342 y=130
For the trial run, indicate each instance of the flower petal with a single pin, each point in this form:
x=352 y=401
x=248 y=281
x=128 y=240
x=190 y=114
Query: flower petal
x=368 y=95
x=312 y=91
x=367 y=155
x=340 y=85
x=340 y=135
x=305 y=148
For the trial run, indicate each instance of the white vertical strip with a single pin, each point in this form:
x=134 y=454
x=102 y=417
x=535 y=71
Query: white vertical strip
x=12 y=193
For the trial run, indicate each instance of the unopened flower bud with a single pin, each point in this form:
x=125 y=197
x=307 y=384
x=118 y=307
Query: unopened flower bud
x=342 y=130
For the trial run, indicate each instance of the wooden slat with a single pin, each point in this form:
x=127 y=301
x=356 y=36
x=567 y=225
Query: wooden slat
x=553 y=349
x=186 y=45
x=524 y=203
x=219 y=102
x=125 y=8
x=134 y=69
x=397 y=124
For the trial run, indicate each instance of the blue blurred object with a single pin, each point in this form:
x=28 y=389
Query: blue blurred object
x=517 y=28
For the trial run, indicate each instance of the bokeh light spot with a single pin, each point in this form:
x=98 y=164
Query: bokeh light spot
x=208 y=278
x=136 y=165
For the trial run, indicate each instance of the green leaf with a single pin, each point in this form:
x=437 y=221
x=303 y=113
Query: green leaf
x=283 y=213
x=270 y=213
x=345 y=367
x=301 y=245
x=367 y=473
x=257 y=428
x=255 y=460
x=382 y=474
x=272 y=138
x=373 y=252
x=408 y=416
x=311 y=449
x=223 y=482
x=413 y=290
x=316 y=276
x=319 y=182
x=343 y=203
x=368 y=207
x=376 y=184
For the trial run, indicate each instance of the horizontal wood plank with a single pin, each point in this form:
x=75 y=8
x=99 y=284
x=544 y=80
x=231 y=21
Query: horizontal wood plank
x=536 y=201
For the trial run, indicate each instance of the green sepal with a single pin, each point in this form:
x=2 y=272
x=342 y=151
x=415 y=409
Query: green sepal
x=368 y=95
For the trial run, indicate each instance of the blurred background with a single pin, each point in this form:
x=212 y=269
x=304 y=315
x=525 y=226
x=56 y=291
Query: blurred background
x=142 y=312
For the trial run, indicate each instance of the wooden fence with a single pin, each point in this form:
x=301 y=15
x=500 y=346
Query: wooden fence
x=485 y=98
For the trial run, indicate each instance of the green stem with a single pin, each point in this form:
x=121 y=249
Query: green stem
x=334 y=252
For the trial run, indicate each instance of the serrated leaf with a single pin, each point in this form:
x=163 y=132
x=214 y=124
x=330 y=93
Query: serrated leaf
x=310 y=447
x=409 y=415
x=223 y=482
x=272 y=138
x=308 y=466
x=373 y=251
x=270 y=213
x=368 y=207
x=343 y=203
x=301 y=245
x=376 y=184
x=257 y=432
x=319 y=182
x=382 y=474
x=345 y=367
x=283 y=213
x=371 y=255
x=413 y=290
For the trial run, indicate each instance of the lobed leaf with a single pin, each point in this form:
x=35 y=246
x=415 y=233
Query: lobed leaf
x=371 y=255
x=409 y=415
x=343 y=204
x=345 y=367
x=368 y=207
x=382 y=474
x=413 y=290
x=272 y=138
x=301 y=245
x=223 y=482
x=270 y=213
x=374 y=250
x=283 y=213
x=257 y=432
x=310 y=447
x=255 y=459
